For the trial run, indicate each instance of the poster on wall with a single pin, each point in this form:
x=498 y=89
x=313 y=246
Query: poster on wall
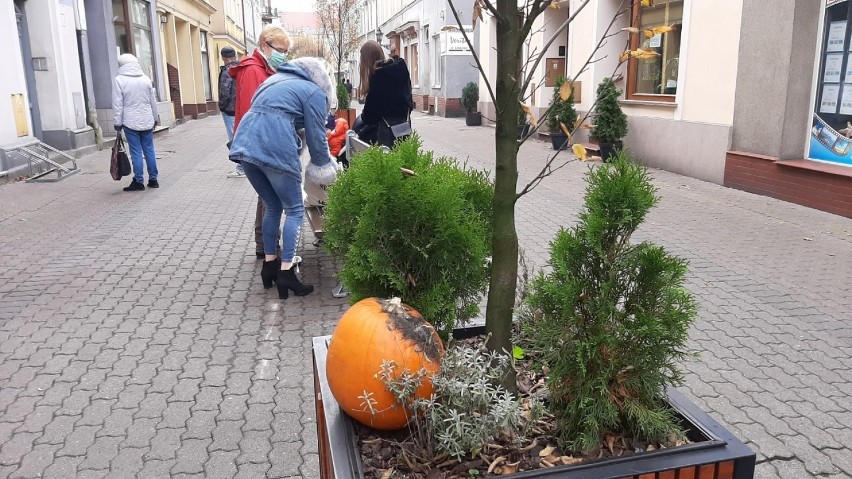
x=829 y=99
x=833 y=65
x=846 y=100
x=836 y=36
x=831 y=129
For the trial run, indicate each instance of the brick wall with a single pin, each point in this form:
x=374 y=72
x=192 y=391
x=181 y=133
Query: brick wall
x=421 y=102
x=450 y=107
x=817 y=185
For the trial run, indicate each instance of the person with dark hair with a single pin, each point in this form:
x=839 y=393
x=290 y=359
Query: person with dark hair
x=299 y=96
x=386 y=86
x=228 y=100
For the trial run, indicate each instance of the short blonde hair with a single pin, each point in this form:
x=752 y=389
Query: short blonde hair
x=274 y=34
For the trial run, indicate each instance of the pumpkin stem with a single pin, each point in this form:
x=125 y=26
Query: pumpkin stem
x=394 y=306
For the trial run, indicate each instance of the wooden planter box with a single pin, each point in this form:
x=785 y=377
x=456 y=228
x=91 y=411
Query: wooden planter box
x=718 y=455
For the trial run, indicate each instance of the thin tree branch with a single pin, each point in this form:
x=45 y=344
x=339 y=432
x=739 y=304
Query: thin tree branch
x=473 y=51
x=553 y=39
x=547 y=169
x=491 y=8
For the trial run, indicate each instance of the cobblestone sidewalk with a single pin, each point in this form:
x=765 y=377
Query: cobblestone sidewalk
x=137 y=341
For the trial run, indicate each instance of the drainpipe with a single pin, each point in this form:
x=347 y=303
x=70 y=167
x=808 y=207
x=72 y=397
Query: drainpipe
x=86 y=74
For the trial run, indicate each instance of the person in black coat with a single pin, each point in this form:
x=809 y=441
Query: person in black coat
x=387 y=86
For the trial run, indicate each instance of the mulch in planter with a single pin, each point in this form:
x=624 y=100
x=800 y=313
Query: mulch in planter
x=387 y=455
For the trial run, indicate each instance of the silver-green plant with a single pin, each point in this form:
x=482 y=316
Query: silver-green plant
x=468 y=408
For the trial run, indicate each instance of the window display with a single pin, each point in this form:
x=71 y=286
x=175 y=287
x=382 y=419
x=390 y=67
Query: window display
x=831 y=130
x=655 y=78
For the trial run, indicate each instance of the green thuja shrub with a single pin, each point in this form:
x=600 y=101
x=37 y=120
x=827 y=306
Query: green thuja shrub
x=423 y=237
x=611 y=318
x=470 y=96
x=561 y=111
x=342 y=97
x=610 y=123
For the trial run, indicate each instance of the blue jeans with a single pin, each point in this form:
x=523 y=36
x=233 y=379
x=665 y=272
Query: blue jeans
x=142 y=143
x=279 y=192
x=229 y=128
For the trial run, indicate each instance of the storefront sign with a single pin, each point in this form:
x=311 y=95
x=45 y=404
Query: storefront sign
x=831 y=129
x=453 y=42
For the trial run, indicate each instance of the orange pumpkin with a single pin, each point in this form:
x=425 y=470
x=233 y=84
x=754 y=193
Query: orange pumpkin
x=371 y=333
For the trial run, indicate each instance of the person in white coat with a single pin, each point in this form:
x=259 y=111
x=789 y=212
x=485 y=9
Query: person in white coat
x=134 y=109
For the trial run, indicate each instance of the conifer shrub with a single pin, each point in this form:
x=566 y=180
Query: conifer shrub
x=343 y=99
x=611 y=317
x=470 y=97
x=410 y=225
x=610 y=123
x=561 y=111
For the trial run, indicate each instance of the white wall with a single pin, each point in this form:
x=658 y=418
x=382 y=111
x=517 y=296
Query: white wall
x=13 y=81
x=53 y=36
x=712 y=53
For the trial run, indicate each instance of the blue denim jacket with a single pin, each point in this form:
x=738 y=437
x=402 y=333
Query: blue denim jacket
x=284 y=103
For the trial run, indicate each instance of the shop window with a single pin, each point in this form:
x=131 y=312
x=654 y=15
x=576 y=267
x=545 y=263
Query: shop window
x=132 y=22
x=655 y=79
x=831 y=128
x=205 y=67
x=414 y=65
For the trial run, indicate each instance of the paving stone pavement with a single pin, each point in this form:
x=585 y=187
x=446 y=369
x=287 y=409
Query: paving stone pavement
x=136 y=340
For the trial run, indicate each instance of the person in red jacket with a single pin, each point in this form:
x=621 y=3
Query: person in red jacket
x=250 y=73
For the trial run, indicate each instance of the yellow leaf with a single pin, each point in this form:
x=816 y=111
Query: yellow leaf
x=624 y=56
x=641 y=53
x=565 y=91
x=554 y=6
x=565 y=130
x=630 y=29
x=647 y=3
x=580 y=152
x=652 y=32
x=477 y=11
x=546 y=451
x=533 y=121
x=577 y=123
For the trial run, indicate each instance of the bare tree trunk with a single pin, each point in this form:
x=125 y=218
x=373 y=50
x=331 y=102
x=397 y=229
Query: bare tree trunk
x=504 y=242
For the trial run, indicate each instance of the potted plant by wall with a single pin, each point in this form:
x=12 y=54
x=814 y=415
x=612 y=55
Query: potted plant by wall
x=343 y=110
x=562 y=115
x=470 y=100
x=609 y=122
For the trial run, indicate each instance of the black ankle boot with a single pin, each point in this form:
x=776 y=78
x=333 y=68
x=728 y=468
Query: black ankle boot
x=269 y=273
x=287 y=280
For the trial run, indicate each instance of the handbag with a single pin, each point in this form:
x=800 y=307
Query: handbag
x=389 y=134
x=119 y=163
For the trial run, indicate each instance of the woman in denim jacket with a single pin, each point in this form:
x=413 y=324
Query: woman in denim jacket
x=299 y=95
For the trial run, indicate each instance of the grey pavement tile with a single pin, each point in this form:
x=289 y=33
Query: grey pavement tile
x=221 y=464
x=63 y=467
x=34 y=463
x=127 y=463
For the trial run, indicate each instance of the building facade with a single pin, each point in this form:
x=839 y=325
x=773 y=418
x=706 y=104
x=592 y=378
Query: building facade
x=424 y=34
x=43 y=94
x=736 y=94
